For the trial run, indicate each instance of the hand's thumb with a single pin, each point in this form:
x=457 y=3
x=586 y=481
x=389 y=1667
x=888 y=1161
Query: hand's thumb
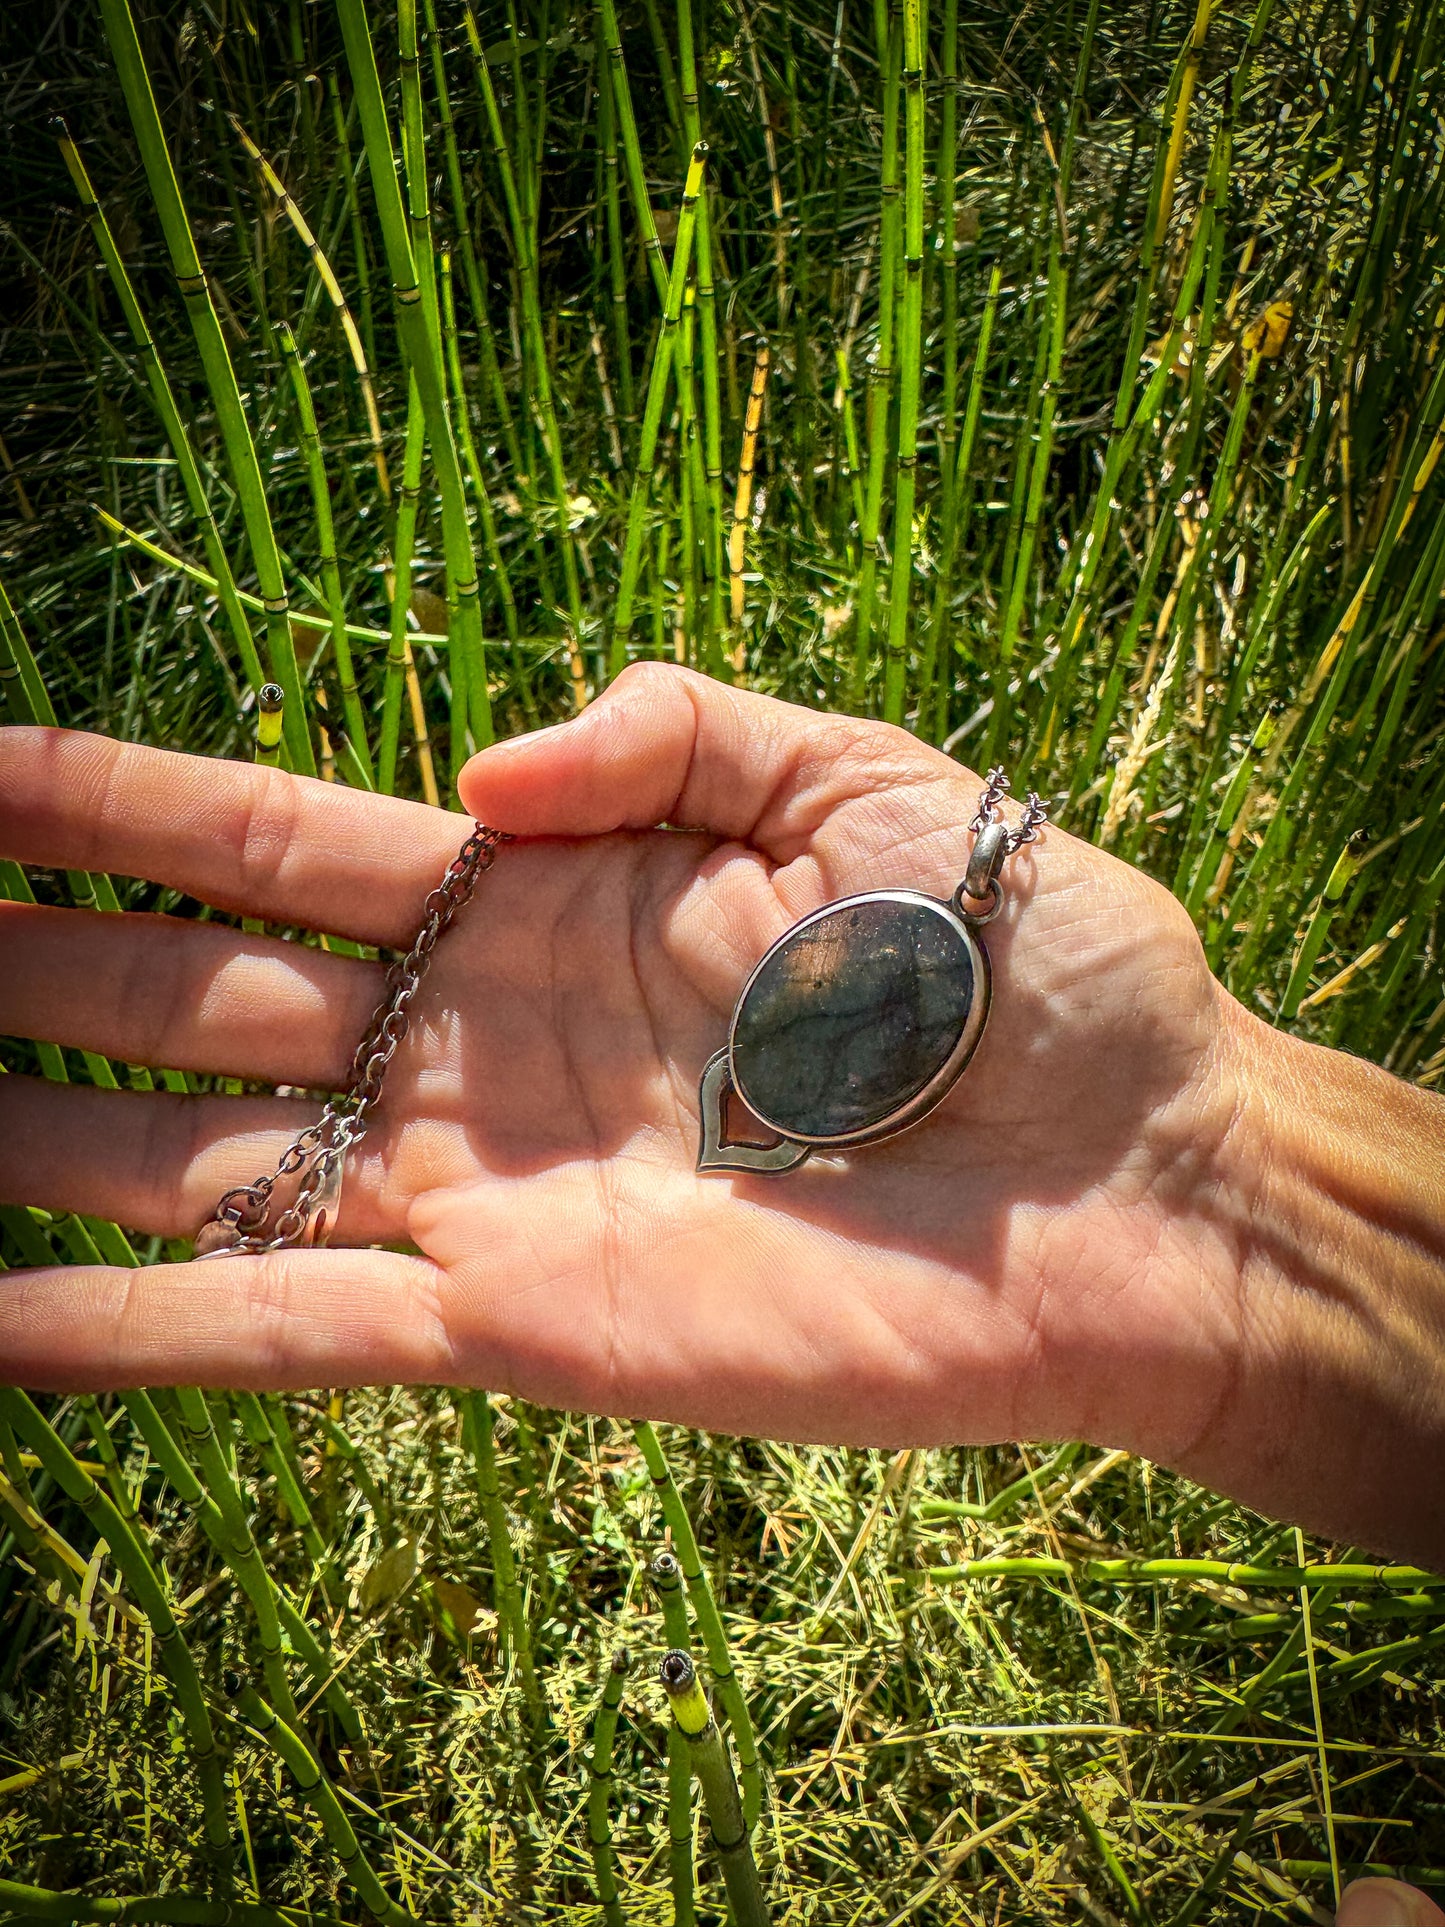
x=664 y=745
x=1386 y=1903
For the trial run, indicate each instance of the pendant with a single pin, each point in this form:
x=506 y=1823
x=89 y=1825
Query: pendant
x=862 y=1017
x=856 y=1024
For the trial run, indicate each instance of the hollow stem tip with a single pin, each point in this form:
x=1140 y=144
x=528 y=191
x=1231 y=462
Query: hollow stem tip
x=666 y=1572
x=689 y=1703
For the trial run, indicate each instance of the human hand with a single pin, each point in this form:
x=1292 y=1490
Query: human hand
x=1068 y=1247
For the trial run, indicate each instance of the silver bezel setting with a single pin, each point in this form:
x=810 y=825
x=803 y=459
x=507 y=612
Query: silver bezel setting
x=941 y=1083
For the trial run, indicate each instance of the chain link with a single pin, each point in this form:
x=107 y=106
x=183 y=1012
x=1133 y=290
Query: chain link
x=1035 y=813
x=240 y=1219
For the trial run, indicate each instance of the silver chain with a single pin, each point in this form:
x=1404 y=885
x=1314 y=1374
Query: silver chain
x=996 y=788
x=240 y=1221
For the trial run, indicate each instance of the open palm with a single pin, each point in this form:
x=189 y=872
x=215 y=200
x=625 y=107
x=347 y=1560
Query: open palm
x=1047 y=1254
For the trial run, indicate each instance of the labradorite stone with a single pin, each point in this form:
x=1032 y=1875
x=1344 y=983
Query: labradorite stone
x=851 y=1016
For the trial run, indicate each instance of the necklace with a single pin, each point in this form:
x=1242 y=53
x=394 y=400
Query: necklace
x=241 y=1219
x=855 y=1024
x=861 y=1018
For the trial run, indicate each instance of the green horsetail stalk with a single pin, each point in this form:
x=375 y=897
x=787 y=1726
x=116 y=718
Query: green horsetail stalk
x=662 y=360
x=421 y=339
x=172 y=1909
x=710 y=1762
x=709 y=1619
x=310 y=436
x=707 y=339
x=334 y=295
x=477 y=1426
x=666 y=1576
x=524 y=246
x=742 y=504
x=911 y=375
x=476 y=291
x=498 y=567
x=632 y=149
x=165 y=404
x=219 y=1510
x=147 y=1587
x=616 y=253
x=1147 y=1572
x=880 y=373
x=258 y=1428
x=403 y=537
x=311 y=1781
x=599 y=1782
x=223 y=1519
x=191 y=280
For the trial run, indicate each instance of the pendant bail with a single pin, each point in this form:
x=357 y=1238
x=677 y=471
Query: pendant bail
x=990 y=847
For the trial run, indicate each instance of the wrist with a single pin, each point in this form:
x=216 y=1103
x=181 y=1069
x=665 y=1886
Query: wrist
x=1331 y=1188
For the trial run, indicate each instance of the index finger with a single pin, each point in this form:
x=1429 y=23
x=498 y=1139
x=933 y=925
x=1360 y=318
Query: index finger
x=260 y=842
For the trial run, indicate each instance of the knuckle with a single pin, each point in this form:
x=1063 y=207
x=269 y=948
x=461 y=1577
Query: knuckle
x=259 y=830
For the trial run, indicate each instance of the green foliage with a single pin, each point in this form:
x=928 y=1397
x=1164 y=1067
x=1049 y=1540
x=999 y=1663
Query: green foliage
x=1099 y=354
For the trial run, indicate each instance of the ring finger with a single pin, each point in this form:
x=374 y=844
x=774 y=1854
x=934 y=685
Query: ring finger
x=157 y=1162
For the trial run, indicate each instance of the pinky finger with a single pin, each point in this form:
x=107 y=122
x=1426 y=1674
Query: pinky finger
x=279 y=1321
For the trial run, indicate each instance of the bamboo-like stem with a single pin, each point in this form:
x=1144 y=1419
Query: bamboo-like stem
x=231 y=419
x=165 y=406
x=1088 y=555
x=657 y=386
x=632 y=149
x=480 y=492
x=1148 y=1572
x=225 y=1526
x=316 y=1789
x=471 y=715
x=707 y=346
x=476 y=291
x=300 y=619
x=714 y=1770
x=666 y=1575
x=599 y=1783
x=524 y=244
x=334 y=295
x=361 y=264
x=939 y=673
x=770 y=154
x=1030 y=476
x=421 y=339
x=709 y=1619
x=947 y=179
x=742 y=505
x=1179 y=129
x=310 y=437
x=148 y=1589
x=224 y=1521
x=167 y=1910
x=691 y=481
x=911 y=371
x=476 y=1411
x=397 y=655
x=616 y=257
x=880 y=373
x=270 y=723
x=258 y=1429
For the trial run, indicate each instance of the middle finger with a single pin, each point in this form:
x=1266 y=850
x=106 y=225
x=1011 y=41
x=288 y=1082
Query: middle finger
x=189 y=996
